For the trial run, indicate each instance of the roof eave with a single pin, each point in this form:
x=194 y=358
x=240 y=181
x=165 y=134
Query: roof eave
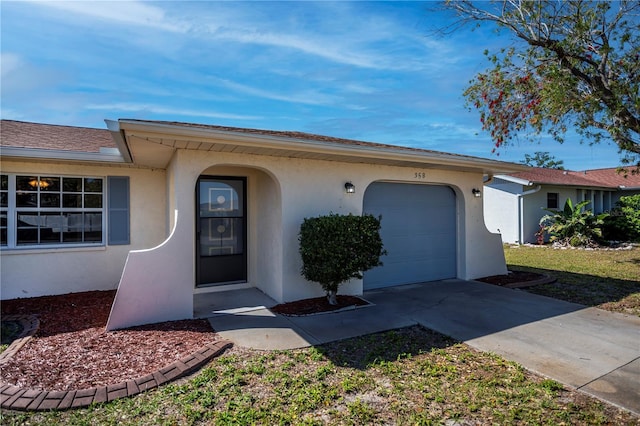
x=513 y=179
x=52 y=154
x=363 y=151
x=119 y=138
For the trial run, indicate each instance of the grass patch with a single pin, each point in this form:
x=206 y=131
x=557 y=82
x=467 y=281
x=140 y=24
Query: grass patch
x=608 y=279
x=407 y=376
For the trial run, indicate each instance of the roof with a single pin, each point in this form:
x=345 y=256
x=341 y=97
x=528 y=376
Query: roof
x=21 y=134
x=151 y=143
x=599 y=178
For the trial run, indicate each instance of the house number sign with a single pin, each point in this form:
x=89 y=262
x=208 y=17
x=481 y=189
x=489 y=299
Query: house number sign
x=420 y=175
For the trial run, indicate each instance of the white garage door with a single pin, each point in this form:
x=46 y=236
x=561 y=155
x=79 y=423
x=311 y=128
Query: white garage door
x=418 y=232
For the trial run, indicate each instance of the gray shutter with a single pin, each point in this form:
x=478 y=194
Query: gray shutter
x=118 y=210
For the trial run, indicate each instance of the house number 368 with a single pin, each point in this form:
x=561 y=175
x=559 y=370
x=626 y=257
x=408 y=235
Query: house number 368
x=420 y=175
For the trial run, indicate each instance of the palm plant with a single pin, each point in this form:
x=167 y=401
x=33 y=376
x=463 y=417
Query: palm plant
x=572 y=225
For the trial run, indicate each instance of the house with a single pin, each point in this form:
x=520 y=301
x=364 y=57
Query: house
x=514 y=203
x=165 y=211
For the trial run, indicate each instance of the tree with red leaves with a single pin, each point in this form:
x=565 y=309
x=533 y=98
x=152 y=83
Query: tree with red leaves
x=575 y=66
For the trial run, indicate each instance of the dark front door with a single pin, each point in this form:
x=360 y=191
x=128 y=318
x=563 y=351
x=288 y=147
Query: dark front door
x=221 y=230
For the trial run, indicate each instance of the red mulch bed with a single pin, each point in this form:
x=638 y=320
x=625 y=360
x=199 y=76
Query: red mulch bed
x=513 y=277
x=317 y=305
x=72 y=350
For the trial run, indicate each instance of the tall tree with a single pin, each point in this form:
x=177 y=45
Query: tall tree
x=543 y=159
x=575 y=65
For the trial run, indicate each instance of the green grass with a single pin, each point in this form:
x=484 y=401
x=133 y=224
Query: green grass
x=407 y=376
x=608 y=279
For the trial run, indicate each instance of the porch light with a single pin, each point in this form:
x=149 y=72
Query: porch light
x=349 y=188
x=476 y=192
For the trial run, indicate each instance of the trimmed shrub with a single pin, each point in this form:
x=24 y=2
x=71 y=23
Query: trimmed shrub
x=623 y=223
x=336 y=248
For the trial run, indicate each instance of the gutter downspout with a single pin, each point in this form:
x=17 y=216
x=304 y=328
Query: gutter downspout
x=521 y=211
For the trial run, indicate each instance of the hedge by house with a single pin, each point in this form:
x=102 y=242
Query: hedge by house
x=623 y=223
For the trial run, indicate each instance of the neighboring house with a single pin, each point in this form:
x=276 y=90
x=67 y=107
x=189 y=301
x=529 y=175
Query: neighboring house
x=164 y=211
x=515 y=203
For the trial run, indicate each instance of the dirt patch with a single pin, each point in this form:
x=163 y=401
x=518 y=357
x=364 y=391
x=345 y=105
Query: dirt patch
x=72 y=350
x=317 y=305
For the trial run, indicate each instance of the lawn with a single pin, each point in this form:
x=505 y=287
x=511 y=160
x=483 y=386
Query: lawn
x=406 y=376
x=608 y=279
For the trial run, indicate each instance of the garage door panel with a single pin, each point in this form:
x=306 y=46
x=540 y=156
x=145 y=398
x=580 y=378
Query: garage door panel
x=418 y=231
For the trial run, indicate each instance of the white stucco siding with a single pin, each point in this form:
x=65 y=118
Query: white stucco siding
x=281 y=193
x=501 y=213
x=48 y=271
x=317 y=187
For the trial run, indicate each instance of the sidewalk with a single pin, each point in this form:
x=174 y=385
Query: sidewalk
x=589 y=349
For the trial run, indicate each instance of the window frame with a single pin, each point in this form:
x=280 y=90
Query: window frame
x=13 y=210
x=550 y=198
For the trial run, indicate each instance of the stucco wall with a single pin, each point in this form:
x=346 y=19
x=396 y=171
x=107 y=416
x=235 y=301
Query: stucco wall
x=47 y=271
x=501 y=213
x=281 y=193
x=305 y=188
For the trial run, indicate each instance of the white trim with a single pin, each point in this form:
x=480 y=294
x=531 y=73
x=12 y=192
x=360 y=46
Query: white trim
x=12 y=211
x=365 y=151
x=53 y=154
x=118 y=137
x=52 y=249
x=519 y=181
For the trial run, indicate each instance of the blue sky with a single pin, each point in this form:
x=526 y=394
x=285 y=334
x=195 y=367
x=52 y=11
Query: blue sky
x=368 y=71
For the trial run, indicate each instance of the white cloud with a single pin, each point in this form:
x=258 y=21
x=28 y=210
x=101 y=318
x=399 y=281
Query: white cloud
x=134 y=107
x=332 y=50
x=125 y=12
x=23 y=80
x=10 y=63
x=309 y=97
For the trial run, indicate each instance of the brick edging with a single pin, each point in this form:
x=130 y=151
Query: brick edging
x=544 y=279
x=16 y=398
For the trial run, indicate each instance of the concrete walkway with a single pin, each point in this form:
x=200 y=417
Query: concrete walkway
x=589 y=349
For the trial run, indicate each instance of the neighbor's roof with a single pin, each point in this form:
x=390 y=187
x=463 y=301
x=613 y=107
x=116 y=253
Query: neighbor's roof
x=599 y=178
x=21 y=134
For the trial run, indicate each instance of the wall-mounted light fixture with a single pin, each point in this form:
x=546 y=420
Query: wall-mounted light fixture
x=349 y=188
x=476 y=192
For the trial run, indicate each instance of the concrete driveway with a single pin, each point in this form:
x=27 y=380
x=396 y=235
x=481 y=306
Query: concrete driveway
x=589 y=349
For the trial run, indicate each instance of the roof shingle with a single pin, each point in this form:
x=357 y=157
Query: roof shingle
x=21 y=134
x=604 y=178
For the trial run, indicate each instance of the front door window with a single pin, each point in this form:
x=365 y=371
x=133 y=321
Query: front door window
x=221 y=230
